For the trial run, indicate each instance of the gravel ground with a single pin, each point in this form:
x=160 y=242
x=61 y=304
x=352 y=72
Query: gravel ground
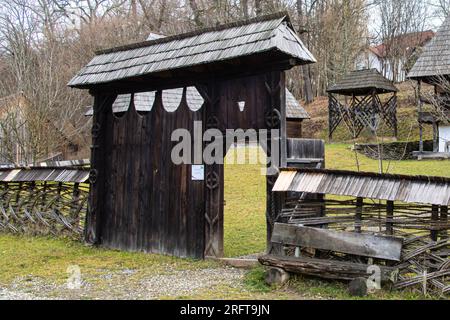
x=6 y=294
x=123 y=285
x=189 y=282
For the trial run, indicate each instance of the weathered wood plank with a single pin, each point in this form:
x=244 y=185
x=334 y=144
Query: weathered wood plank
x=327 y=269
x=345 y=242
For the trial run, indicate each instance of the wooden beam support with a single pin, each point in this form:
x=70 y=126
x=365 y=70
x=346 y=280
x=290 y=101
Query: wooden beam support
x=434 y=219
x=390 y=217
x=214 y=178
x=326 y=269
x=420 y=107
x=99 y=152
x=275 y=114
x=444 y=219
x=75 y=199
x=184 y=78
x=358 y=216
x=394 y=115
x=365 y=245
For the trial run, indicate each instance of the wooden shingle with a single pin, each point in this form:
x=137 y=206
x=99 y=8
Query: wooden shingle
x=228 y=42
x=435 y=59
x=363 y=82
x=389 y=187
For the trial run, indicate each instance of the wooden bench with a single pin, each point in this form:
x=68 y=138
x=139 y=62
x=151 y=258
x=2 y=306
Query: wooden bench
x=360 y=244
x=366 y=245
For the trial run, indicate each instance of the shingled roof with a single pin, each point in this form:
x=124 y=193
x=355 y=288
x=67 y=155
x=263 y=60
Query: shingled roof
x=172 y=98
x=363 y=82
x=293 y=108
x=435 y=59
x=229 y=42
x=390 y=187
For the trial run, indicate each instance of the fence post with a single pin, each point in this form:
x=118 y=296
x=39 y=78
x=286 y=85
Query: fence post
x=389 y=218
x=358 y=217
x=434 y=219
x=444 y=220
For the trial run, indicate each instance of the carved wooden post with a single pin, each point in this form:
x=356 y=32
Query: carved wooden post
x=214 y=179
x=102 y=105
x=275 y=120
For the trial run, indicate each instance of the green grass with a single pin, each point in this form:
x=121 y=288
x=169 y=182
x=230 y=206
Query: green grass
x=245 y=233
x=340 y=156
x=245 y=203
x=245 y=192
x=49 y=258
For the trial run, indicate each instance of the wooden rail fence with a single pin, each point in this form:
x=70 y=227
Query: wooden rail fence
x=43 y=201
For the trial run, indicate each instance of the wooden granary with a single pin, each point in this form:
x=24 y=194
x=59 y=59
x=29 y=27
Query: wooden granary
x=141 y=200
x=363 y=107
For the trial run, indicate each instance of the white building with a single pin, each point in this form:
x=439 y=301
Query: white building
x=444 y=139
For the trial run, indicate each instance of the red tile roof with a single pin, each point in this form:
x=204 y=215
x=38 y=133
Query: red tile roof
x=408 y=41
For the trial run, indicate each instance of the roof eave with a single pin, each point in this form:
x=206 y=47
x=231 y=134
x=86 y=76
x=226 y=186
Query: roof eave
x=291 y=61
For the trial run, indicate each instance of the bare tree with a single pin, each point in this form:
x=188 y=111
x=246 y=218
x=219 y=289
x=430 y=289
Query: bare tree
x=439 y=99
x=398 y=18
x=441 y=7
x=43 y=43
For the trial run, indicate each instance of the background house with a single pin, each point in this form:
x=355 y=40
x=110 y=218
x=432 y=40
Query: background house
x=394 y=57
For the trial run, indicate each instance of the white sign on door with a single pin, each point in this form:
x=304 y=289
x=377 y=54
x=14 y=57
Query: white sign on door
x=198 y=172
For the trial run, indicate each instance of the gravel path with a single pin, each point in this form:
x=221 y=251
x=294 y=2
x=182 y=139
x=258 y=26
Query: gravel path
x=122 y=285
x=6 y=294
x=189 y=282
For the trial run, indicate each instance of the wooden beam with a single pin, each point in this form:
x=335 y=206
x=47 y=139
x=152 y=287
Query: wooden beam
x=183 y=78
x=395 y=116
x=214 y=178
x=444 y=219
x=389 y=218
x=358 y=216
x=366 y=245
x=419 y=107
x=275 y=114
x=99 y=154
x=434 y=218
x=327 y=269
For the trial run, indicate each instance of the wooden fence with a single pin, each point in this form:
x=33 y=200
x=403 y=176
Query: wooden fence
x=425 y=239
x=43 y=201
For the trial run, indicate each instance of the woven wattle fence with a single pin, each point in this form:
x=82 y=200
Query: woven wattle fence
x=44 y=200
x=411 y=208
